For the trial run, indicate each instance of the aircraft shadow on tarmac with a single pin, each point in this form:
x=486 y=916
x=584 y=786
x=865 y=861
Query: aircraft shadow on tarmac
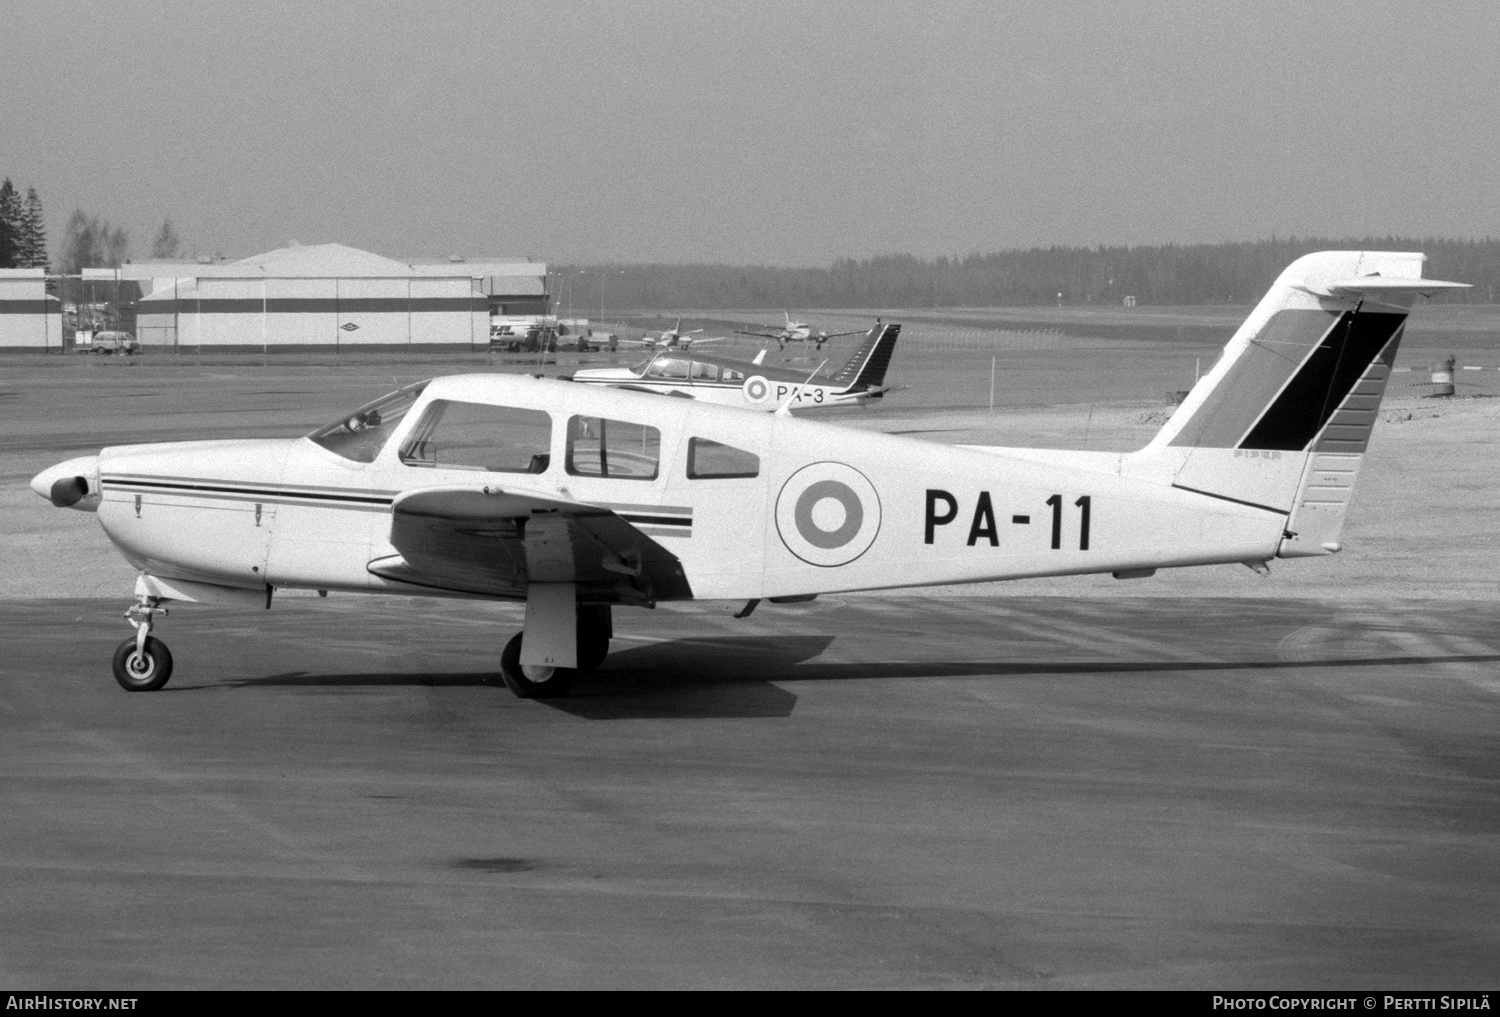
x=724 y=677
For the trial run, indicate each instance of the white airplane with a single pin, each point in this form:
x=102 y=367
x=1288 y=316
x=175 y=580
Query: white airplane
x=673 y=338
x=795 y=332
x=576 y=499
x=753 y=385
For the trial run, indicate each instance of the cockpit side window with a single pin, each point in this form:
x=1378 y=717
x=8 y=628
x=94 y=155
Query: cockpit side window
x=599 y=447
x=668 y=367
x=455 y=435
x=362 y=434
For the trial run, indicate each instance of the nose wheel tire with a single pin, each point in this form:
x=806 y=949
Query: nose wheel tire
x=146 y=671
x=529 y=681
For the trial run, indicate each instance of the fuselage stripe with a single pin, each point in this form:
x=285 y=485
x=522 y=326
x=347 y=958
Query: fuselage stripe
x=655 y=520
x=242 y=492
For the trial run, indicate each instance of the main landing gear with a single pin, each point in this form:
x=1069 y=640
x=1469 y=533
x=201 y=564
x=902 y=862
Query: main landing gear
x=143 y=663
x=529 y=681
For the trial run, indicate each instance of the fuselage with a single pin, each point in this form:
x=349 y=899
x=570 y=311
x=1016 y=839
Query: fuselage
x=821 y=509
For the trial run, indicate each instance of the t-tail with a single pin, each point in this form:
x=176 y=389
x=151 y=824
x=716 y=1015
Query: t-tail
x=1283 y=419
x=863 y=375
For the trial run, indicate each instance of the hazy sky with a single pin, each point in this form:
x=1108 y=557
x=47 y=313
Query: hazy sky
x=753 y=132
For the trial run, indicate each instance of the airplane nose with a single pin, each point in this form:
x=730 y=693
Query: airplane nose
x=67 y=484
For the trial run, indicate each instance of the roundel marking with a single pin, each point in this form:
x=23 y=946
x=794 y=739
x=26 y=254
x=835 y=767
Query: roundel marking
x=756 y=389
x=828 y=514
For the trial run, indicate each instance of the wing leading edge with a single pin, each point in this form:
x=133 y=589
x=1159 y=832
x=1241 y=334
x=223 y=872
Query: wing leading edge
x=488 y=541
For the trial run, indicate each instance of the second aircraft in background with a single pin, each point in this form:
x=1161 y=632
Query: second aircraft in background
x=753 y=385
x=795 y=332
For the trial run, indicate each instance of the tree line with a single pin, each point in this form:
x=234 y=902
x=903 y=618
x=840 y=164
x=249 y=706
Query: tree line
x=23 y=232
x=88 y=241
x=1168 y=274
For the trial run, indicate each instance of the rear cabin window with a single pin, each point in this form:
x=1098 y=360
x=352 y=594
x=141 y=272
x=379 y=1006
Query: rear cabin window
x=600 y=447
x=711 y=460
x=478 y=436
x=705 y=372
x=732 y=375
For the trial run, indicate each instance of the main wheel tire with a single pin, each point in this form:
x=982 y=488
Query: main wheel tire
x=142 y=672
x=591 y=653
x=531 y=682
x=595 y=628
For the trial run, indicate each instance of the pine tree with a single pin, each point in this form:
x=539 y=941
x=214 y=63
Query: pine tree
x=166 y=245
x=10 y=224
x=34 y=233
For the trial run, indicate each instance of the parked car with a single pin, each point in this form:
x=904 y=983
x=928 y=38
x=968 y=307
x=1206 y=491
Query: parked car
x=115 y=342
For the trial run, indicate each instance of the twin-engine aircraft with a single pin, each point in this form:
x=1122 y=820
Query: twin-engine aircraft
x=674 y=338
x=753 y=385
x=578 y=499
x=795 y=332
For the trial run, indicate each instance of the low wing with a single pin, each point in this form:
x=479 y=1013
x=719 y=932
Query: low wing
x=835 y=335
x=489 y=541
x=777 y=334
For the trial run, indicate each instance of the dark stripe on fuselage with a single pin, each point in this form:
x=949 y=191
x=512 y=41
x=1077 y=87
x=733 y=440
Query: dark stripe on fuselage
x=1326 y=377
x=655 y=520
x=244 y=492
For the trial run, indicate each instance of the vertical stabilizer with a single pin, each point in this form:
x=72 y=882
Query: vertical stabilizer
x=866 y=368
x=1284 y=417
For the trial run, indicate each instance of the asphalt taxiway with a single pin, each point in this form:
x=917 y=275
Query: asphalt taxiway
x=859 y=792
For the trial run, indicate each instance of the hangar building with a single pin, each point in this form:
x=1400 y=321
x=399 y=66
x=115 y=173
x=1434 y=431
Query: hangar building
x=30 y=317
x=330 y=295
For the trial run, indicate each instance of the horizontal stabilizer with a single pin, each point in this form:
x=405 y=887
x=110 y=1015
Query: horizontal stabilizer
x=1376 y=285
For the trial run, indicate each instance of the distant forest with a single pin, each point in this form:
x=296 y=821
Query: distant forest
x=1235 y=273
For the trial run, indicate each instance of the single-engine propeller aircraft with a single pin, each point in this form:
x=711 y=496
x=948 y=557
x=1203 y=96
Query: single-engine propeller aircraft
x=673 y=338
x=577 y=499
x=795 y=332
x=753 y=385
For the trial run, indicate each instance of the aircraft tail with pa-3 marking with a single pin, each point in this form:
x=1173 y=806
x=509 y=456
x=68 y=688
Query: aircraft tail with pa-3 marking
x=1282 y=421
x=864 y=371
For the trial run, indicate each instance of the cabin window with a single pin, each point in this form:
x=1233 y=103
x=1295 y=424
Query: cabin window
x=599 y=447
x=712 y=460
x=479 y=436
x=664 y=367
x=705 y=372
x=362 y=434
x=734 y=376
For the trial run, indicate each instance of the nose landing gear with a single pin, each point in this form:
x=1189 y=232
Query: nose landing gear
x=143 y=663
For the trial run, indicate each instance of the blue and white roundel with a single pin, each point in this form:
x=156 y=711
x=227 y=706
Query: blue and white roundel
x=828 y=514
x=756 y=389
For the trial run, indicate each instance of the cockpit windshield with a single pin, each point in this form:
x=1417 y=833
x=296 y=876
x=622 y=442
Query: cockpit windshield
x=362 y=434
x=640 y=369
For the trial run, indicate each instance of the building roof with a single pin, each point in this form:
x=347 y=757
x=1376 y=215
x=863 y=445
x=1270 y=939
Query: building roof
x=328 y=261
